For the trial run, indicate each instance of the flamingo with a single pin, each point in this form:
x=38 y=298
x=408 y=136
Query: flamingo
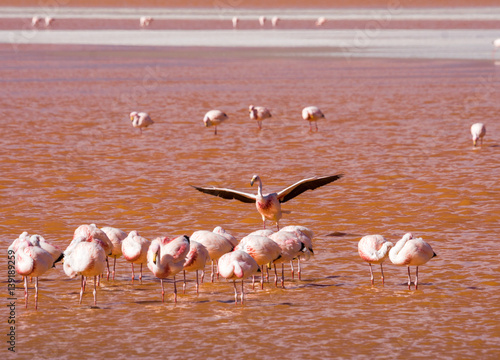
x=274 y=21
x=219 y=230
x=140 y=120
x=269 y=205
x=145 y=21
x=85 y=256
x=262 y=249
x=305 y=235
x=291 y=247
x=312 y=114
x=196 y=259
x=320 y=21
x=478 y=130
x=24 y=237
x=235 y=21
x=93 y=232
x=166 y=258
x=214 y=118
x=32 y=261
x=411 y=252
x=216 y=244
x=135 y=250
x=35 y=20
x=237 y=265
x=48 y=21
x=262 y=20
x=374 y=249
x=259 y=113
x=496 y=46
x=53 y=250
x=116 y=237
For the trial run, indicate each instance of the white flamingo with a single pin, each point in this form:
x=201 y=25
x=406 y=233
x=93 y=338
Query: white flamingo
x=320 y=21
x=259 y=113
x=411 y=252
x=235 y=22
x=477 y=130
x=145 y=21
x=374 y=249
x=116 y=236
x=135 y=250
x=274 y=21
x=196 y=260
x=237 y=265
x=214 y=118
x=312 y=114
x=262 y=20
x=140 y=120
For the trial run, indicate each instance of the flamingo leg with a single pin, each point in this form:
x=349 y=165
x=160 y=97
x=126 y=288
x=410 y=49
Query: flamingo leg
x=371 y=272
x=140 y=276
x=382 y=272
x=114 y=267
x=267 y=273
x=162 y=291
x=202 y=276
x=215 y=132
x=36 y=293
x=275 y=276
x=175 y=291
x=409 y=278
x=197 y=284
x=283 y=275
x=133 y=276
x=184 y=283
x=84 y=281
x=82 y=289
x=416 y=279
x=107 y=268
x=291 y=266
x=262 y=277
x=242 y=291
x=253 y=282
x=213 y=270
x=26 y=291
x=299 y=271
x=235 y=293
x=95 y=291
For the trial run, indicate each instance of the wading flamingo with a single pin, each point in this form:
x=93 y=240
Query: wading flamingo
x=259 y=113
x=496 y=46
x=135 y=250
x=237 y=265
x=145 y=21
x=140 y=120
x=320 y=21
x=269 y=205
x=35 y=20
x=235 y=21
x=196 y=260
x=32 y=261
x=477 y=130
x=48 y=21
x=264 y=251
x=411 y=252
x=85 y=257
x=262 y=20
x=374 y=249
x=116 y=236
x=93 y=232
x=274 y=21
x=312 y=114
x=214 y=118
x=166 y=258
x=216 y=244
x=304 y=235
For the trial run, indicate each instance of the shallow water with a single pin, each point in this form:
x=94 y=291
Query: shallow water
x=398 y=129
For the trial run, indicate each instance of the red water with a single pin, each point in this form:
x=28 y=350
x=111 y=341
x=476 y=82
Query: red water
x=397 y=129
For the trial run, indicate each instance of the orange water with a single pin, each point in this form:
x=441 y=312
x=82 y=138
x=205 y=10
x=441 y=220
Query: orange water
x=397 y=129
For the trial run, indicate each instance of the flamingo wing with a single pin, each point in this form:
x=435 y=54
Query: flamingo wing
x=228 y=194
x=304 y=185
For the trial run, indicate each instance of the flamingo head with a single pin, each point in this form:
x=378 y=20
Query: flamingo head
x=254 y=179
x=133 y=115
x=408 y=236
x=207 y=121
x=251 y=108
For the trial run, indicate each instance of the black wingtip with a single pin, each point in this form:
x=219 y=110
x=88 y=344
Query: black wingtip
x=434 y=254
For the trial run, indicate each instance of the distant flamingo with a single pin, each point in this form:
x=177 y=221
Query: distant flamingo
x=140 y=120
x=237 y=265
x=35 y=20
x=262 y=20
x=214 y=118
x=321 y=21
x=216 y=244
x=196 y=259
x=411 y=252
x=48 y=21
x=262 y=249
x=32 y=261
x=274 y=21
x=235 y=21
x=477 y=130
x=85 y=257
x=374 y=249
x=116 y=237
x=145 y=21
x=135 y=250
x=166 y=258
x=291 y=247
x=496 y=46
x=259 y=113
x=312 y=114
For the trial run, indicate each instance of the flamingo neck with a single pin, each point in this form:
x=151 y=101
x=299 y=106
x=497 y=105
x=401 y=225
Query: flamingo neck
x=394 y=252
x=259 y=189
